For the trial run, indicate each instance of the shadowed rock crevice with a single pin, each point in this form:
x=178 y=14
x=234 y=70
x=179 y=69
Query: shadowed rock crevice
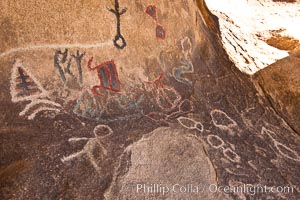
x=185 y=113
x=280 y=83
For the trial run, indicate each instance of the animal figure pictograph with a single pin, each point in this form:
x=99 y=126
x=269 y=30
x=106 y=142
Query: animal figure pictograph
x=119 y=40
x=108 y=76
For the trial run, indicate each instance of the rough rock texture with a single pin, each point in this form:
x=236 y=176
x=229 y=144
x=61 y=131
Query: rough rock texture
x=257 y=33
x=171 y=160
x=72 y=131
x=281 y=84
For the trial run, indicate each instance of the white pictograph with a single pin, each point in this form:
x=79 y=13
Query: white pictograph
x=236 y=170
x=251 y=163
x=218 y=143
x=25 y=87
x=186 y=46
x=35 y=112
x=56 y=46
x=100 y=132
x=223 y=121
x=231 y=155
x=39 y=101
x=215 y=141
x=190 y=124
x=187 y=65
x=185 y=106
x=281 y=148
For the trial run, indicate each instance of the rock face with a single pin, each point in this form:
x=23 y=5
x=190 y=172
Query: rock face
x=281 y=83
x=257 y=33
x=98 y=77
x=89 y=108
x=167 y=163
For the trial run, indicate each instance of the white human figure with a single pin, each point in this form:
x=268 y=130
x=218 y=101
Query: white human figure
x=100 y=132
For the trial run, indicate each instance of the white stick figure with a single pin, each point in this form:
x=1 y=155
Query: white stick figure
x=100 y=132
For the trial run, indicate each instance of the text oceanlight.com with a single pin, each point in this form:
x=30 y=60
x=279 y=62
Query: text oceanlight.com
x=212 y=188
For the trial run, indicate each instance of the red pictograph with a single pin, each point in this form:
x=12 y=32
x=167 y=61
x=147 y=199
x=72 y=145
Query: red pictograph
x=159 y=29
x=108 y=76
x=167 y=98
x=151 y=10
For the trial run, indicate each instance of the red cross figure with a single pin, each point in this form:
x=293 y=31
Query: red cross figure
x=108 y=76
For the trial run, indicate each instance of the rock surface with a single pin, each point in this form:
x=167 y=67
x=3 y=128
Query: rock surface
x=257 y=33
x=72 y=131
x=281 y=83
x=167 y=163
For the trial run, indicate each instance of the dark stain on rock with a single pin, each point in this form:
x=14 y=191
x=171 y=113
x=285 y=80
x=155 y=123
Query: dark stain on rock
x=10 y=172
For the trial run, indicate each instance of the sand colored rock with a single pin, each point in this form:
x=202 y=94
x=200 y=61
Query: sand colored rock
x=281 y=84
x=167 y=163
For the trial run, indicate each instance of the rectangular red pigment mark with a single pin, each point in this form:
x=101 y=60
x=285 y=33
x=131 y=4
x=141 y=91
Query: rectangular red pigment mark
x=108 y=77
